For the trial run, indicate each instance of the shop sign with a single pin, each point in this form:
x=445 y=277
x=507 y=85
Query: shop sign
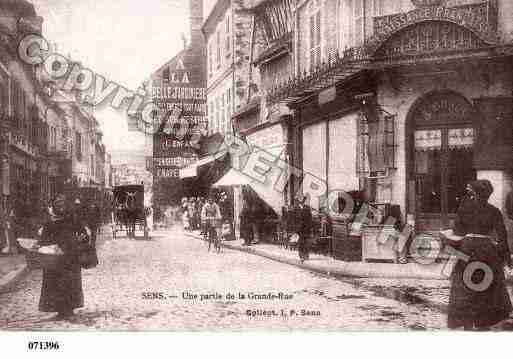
x=327 y=96
x=268 y=137
x=174 y=161
x=180 y=96
x=480 y=18
x=274 y=112
x=167 y=172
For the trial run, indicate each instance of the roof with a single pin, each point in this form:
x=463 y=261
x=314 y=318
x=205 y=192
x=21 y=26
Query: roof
x=169 y=62
x=215 y=15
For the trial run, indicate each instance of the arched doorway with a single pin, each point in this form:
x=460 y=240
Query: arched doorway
x=440 y=164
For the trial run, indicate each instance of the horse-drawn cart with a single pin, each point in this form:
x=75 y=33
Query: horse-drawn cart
x=129 y=212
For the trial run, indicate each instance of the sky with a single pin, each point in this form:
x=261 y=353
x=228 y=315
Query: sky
x=124 y=40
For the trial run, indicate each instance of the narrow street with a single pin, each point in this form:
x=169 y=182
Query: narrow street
x=150 y=285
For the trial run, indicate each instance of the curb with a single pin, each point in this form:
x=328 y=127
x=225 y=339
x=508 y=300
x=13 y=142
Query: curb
x=346 y=271
x=9 y=281
x=338 y=273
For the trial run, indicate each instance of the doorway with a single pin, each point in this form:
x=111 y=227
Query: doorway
x=441 y=158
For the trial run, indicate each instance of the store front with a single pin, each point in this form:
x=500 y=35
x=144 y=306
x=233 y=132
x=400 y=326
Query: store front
x=441 y=138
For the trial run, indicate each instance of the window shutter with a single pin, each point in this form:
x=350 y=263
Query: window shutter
x=228 y=39
x=376 y=146
x=318 y=28
x=359 y=32
x=315 y=39
x=218 y=49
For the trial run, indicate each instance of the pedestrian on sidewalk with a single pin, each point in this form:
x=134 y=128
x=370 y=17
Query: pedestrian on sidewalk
x=478 y=297
x=61 y=290
x=304 y=220
x=11 y=233
x=191 y=210
x=186 y=220
x=246 y=227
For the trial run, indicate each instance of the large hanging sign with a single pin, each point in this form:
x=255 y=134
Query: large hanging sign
x=178 y=91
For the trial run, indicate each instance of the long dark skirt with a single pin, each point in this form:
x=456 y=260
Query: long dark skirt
x=246 y=232
x=471 y=308
x=61 y=290
x=303 y=247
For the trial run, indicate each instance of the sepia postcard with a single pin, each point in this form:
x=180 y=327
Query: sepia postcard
x=255 y=165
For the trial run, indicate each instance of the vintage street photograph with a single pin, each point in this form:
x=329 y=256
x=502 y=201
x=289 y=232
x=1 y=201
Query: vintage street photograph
x=255 y=165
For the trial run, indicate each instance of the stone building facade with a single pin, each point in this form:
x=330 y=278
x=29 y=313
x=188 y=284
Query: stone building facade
x=402 y=98
x=227 y=32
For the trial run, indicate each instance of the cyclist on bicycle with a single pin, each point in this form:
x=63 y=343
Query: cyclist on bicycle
x=211 y=217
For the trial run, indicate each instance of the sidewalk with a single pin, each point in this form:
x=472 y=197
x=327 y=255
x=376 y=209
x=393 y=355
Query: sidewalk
x=12 y=269
x=330 y=266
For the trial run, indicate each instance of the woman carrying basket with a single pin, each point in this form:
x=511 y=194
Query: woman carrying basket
x=61 y=290
x=478 y=298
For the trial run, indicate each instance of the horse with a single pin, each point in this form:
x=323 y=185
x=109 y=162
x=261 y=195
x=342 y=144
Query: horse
x=131 y=213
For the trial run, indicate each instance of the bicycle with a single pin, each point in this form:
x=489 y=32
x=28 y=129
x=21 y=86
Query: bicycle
x=212 y=235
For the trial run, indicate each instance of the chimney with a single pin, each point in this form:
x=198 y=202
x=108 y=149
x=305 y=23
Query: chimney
x=196 y=21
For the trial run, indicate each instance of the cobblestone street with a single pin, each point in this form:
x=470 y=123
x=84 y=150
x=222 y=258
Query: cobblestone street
x=141 y=285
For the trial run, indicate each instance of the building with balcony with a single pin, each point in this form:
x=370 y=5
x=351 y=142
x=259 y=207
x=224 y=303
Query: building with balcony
x=264 y=125
x=228 y=36
x=405 y=101
x=24 y=132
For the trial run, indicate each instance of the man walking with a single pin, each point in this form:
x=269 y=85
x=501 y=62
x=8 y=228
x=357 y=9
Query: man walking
x=303 y=215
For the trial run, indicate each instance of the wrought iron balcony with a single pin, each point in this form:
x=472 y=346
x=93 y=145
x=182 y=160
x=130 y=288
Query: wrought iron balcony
x=337 y=68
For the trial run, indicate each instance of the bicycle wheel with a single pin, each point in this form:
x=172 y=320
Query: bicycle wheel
x=218 y=245
x=211 y=238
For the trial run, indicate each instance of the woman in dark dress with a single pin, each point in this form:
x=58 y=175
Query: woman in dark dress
x=246 y=227
x=303 y=219
x=478 y=297
x=61 y=290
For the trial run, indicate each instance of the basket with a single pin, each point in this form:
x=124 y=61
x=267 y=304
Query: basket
x=36 y=260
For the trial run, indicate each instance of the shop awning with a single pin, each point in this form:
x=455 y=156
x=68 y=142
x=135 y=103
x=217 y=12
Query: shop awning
x=192 y=170
x=232 y=178
x=266 y=191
